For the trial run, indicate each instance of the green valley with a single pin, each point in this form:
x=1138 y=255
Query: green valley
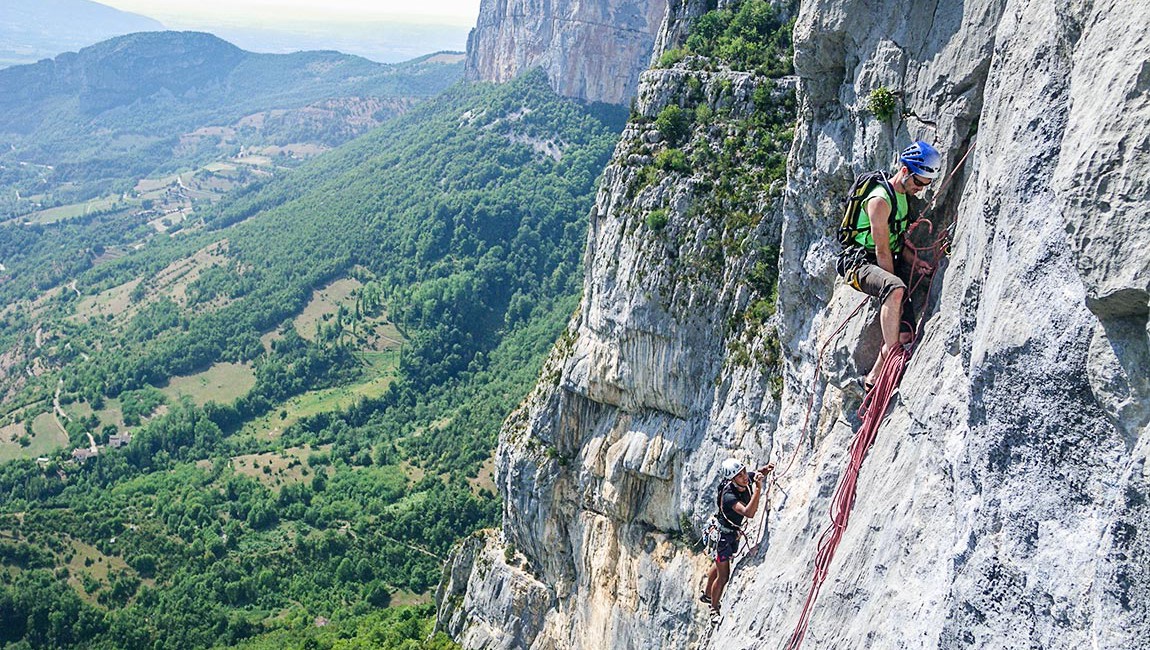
x=294 y=389
x=135 y=122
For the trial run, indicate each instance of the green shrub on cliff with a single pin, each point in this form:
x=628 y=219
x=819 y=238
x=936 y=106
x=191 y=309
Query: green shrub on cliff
x=753 y=37
x=674 y=123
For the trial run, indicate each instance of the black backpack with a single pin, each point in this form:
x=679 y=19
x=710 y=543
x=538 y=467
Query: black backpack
x=864 y=183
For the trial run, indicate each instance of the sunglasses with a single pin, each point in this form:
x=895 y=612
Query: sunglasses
x=920 y=183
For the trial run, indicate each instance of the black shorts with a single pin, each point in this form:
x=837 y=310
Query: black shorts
x=727 y=546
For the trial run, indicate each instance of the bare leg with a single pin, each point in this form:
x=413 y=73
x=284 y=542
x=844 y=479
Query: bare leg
x=888 y=316
x=722 y=572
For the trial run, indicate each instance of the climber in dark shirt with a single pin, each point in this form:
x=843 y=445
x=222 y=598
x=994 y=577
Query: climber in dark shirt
x=737 y=501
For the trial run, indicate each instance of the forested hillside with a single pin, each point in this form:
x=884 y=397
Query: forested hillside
x=311 y=376
x=90 y=124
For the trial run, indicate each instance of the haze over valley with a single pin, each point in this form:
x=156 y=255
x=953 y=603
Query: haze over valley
x=31 y=30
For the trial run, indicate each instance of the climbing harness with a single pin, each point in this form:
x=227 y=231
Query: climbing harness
x=723 y=523
x=850 y=261
x=710 y=536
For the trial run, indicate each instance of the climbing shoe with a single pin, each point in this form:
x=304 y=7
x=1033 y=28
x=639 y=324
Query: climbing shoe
x=703 y=597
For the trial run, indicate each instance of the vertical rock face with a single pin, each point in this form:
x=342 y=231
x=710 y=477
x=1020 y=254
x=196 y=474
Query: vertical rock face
x=1005 y=501
x=590 y=50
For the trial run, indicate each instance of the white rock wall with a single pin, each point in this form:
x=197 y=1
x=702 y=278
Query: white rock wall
x=589 y=50
x=1004 y=504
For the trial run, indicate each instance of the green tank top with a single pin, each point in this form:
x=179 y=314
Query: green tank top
x=897 y=220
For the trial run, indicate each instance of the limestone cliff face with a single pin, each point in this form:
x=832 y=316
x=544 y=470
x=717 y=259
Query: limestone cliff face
x=1006 y=501
x=590 y=50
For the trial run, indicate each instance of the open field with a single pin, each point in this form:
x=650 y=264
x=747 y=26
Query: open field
x=373 y=334
x=110 y=253
x=380 y=376
x=11 y=432
x=145 y=185
x=403 y=597
x=222 y=383
x=255 y=161
x=42 y=444
x=65 y=212
x=299 y=150
x=382 y=335
x=413 y=473
x=486 y=478
x=110 y=414
x=172 y=281
x=87 y=559
x=47 y=439
x=324 y=304
x=276 y=469
x=114 y=301
x=269 y=338
x=220 y=167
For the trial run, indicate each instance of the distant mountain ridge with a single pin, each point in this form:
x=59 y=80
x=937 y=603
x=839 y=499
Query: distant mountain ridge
x=117 y=109
x=192 y=68
x=34 y=29
x=120 y=71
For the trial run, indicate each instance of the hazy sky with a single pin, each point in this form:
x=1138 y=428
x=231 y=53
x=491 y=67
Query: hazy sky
x=191 y=13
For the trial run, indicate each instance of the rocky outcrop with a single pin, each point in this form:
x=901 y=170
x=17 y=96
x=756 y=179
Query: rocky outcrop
x=1004 y=503
x=591 y=466
x=590 y=50
x=496 y=603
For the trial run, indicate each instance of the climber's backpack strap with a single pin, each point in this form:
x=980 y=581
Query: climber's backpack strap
x=849 y=229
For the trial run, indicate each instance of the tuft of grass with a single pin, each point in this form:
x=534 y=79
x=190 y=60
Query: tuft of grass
x=881 y=103
x=671 y=57
x=672 y=160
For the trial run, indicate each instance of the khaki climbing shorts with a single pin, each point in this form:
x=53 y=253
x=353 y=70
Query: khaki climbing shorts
x=872 y=280
x=863 y=274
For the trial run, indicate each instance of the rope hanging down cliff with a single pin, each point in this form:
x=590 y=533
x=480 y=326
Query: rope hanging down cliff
x=872 y=411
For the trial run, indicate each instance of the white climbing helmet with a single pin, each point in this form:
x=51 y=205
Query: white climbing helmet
x=731 y=468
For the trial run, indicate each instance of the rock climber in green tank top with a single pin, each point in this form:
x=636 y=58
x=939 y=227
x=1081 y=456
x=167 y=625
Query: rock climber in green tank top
x=883 y=268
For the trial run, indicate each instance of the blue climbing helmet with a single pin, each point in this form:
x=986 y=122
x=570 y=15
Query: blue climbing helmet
x=922 y=159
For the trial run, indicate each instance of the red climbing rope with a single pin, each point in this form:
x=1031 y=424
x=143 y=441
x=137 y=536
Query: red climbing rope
x=806 y=420
x=873 y=409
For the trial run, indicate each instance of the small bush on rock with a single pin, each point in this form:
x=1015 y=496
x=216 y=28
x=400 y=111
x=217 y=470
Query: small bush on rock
x=674 y=123
x=882 y=103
